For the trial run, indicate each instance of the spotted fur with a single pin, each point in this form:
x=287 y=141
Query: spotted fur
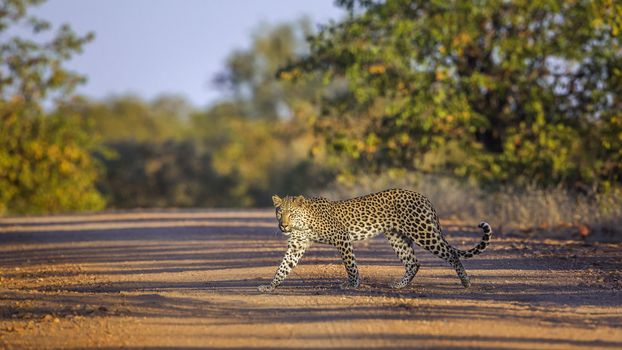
x=405 y=217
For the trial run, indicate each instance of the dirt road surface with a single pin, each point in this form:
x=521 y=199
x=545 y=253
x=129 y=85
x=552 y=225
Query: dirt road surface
x=188 y=279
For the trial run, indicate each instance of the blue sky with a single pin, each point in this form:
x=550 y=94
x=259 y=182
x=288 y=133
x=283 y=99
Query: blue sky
x=151 y=47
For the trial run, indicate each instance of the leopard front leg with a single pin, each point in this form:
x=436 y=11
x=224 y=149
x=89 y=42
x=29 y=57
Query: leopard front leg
x=295 y=250
x=349 y=261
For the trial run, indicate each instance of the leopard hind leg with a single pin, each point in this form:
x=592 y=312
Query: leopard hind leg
x=426 y=233
x=455 y=262
x=431 y=240
x=402 y=245
x=439 y=247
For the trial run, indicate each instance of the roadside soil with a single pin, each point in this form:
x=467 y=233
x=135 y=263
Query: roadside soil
x=188 y=279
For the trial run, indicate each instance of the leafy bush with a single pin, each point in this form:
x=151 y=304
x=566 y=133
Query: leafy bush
x=507 y=93
x=45 y=160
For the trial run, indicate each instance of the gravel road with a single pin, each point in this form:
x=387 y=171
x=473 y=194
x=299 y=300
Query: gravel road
x=188 y=279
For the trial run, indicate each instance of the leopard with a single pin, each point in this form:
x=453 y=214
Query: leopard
x=405 y=217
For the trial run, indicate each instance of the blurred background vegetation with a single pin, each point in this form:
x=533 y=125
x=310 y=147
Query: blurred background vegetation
x=504 y=109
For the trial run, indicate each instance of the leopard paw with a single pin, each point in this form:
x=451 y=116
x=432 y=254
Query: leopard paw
x=267 y=288
x=398 y=284
x=348 y=285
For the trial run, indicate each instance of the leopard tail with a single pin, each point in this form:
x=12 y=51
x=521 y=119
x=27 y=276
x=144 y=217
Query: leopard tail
x=481 y=247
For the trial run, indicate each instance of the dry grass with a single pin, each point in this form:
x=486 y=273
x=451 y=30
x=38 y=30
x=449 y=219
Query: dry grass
x=554 y=211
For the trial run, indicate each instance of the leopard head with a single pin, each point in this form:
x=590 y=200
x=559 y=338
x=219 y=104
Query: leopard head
x=292 y=213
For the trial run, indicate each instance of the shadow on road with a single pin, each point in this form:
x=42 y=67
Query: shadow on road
x=93 y=268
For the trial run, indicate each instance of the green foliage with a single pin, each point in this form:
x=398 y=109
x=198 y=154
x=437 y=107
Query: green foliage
x=45 y=161
x=266 y=156
x=514 y=92
x=125 y=118
x=46 y=164
x=168 y=174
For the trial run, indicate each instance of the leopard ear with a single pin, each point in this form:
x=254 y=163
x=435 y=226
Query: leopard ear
x=276 y=200
x=299 y=200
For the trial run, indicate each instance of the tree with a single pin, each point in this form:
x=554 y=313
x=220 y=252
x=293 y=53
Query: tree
x=511 y=92
x=261 y=135
x=249 y=75
x=45 y=160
